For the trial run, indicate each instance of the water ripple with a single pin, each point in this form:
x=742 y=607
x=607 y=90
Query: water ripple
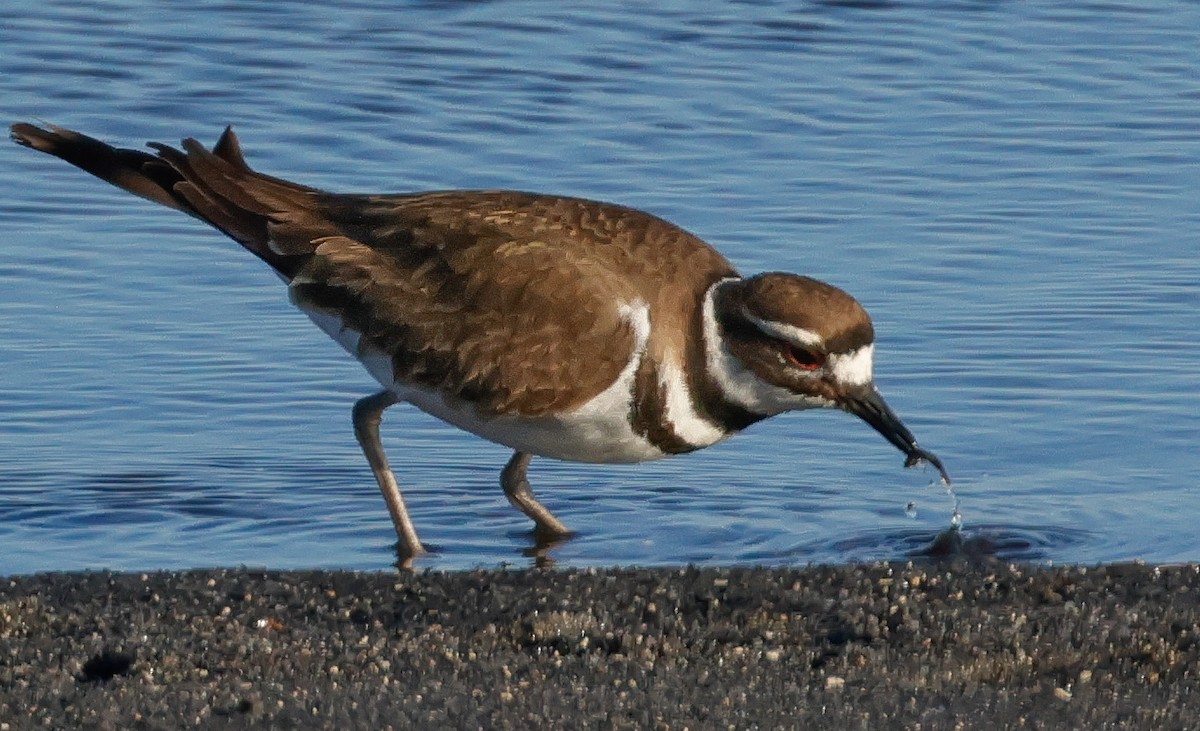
x=1009 y=187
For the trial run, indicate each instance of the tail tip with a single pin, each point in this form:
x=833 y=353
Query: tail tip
x=37 y=138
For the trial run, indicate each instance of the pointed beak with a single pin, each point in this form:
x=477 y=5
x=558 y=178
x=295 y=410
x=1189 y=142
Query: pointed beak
x=866 y=403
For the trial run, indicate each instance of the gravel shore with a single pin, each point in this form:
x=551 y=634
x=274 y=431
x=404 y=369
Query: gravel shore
x=901 y=646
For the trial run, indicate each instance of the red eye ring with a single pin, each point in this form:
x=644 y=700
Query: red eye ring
x=803 y=358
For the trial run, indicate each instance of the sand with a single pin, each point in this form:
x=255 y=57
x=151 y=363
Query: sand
x=889 y=646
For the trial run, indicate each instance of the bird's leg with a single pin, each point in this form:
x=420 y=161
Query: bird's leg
x=517 y=490
x=368 y=412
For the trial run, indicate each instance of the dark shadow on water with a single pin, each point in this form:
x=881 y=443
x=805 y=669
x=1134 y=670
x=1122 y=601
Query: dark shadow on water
x=977 y=543
x=1006 y=543
x=951 y=543
x=543 y=545
x=404 y=562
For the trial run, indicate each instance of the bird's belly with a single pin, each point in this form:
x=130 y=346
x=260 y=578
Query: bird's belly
x=598 y=431
x=582 y=435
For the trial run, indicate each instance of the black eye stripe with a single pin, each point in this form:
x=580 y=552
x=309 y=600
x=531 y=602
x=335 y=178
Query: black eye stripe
x=804 y=358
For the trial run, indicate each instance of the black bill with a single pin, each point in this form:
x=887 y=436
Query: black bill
x=868 y=405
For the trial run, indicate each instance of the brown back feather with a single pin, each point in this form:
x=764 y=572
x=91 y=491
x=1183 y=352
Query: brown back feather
x=506 y=300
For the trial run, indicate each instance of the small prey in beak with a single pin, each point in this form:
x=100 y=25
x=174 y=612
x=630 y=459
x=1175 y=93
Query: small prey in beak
x=866 y=403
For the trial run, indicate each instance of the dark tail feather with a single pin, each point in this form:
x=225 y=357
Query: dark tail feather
x=229 y=149
x=218 y=187
x=138 y=172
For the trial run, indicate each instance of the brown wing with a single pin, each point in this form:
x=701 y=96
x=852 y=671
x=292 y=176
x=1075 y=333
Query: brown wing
x=511 y=301
x=508 y=300
x=496 y=316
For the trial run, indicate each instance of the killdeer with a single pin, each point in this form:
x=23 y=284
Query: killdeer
x=555 y=326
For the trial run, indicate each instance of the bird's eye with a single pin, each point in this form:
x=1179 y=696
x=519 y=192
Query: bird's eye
x=803 y=358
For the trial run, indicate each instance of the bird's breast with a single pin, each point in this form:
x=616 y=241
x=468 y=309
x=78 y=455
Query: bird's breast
x=645 y=413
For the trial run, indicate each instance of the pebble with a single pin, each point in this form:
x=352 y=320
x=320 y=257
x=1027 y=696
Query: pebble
x=927 y=646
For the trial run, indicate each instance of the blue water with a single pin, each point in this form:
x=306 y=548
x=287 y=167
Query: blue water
x=1012 y=189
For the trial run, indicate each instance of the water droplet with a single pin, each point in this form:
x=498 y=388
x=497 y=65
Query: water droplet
x=956 y=519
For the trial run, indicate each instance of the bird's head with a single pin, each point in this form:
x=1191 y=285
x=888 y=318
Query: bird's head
x=789 y=342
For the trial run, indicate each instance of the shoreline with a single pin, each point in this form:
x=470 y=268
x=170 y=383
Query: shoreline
x=928 y=646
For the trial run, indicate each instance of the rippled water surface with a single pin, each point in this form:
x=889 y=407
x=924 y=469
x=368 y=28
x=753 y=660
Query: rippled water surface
x=1012 y=189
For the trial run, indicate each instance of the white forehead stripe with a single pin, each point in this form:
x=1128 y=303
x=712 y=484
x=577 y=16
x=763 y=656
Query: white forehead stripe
x=784 y=331
x=854 y=368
